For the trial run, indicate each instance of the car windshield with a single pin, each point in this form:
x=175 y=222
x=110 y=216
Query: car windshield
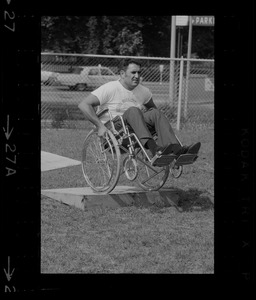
x=76 y=70
x=94 y=71
x=106 y=72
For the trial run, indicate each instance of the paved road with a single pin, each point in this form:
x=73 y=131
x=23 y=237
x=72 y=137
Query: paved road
x=54 y=99
x=196 y=93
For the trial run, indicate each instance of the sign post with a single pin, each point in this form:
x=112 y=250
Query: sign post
x=161 y=68
x=194 y=21
x=188 y=68
x=180 y=93
x=172 y=56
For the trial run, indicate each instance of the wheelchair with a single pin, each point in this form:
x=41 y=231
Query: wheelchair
x=105 y=159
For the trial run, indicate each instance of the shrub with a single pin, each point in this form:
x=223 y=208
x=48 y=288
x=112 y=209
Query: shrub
x=59 y=116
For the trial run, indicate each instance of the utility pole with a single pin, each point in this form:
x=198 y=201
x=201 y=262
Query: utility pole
x=172 y=56
x=188 y=66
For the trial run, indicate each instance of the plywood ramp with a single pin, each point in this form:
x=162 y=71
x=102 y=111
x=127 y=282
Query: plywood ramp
x=122 y=196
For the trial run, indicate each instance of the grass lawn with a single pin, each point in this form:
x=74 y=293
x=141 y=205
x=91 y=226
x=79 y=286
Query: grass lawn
x=129 y=240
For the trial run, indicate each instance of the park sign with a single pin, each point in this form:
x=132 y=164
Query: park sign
x=196 y=20
x=181 y=20
x=203 y=20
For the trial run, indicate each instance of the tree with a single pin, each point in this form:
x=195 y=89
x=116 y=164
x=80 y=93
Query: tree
x=128 y=43
x=92 y=36
x=203 y=41
x=156 y=32
x=63 y=34
x=126 y=35
x=108 y=36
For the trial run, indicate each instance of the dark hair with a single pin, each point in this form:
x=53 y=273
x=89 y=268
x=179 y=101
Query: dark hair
x=127 y=61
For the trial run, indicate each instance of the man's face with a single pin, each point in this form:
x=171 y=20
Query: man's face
x=131 y=77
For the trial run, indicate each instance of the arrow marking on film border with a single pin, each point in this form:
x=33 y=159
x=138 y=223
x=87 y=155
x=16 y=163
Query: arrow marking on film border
x=8 y=274
x=7 y=132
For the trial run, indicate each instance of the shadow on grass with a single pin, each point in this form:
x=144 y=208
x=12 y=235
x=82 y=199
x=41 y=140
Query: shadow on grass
x=194 y=199
x=187 y=201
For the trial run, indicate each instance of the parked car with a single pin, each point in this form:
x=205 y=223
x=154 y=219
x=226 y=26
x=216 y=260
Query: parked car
x=82 y=78
x=47 y=77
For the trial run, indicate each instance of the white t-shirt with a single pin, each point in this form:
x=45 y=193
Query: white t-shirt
x=118 y=99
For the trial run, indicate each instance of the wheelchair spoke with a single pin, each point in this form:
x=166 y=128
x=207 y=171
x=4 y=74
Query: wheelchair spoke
x=150 y=177
x=147 y=165
x=101 y=162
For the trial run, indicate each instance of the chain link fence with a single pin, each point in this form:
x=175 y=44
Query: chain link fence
x=183 y=89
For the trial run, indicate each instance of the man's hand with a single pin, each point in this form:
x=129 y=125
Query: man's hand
x=102 y=130
x=143 y=108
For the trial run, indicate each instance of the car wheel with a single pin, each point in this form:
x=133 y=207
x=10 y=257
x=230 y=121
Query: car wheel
x=81 y=87
x=50 y=81
x=46 y=82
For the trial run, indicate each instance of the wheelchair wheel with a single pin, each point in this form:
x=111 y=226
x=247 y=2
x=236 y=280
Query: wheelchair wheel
x=101 y=161
x=150 y=178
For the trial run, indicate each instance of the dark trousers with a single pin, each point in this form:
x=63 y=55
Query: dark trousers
x=145 y=123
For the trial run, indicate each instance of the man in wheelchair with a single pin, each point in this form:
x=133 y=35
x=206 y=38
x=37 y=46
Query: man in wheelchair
x=128 y=98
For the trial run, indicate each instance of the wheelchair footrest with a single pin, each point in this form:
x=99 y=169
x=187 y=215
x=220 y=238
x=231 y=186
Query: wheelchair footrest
x=163 y=160
x=186 y=159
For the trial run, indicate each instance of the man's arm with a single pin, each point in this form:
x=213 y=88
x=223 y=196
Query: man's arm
x=150 y=104
x=87 y=108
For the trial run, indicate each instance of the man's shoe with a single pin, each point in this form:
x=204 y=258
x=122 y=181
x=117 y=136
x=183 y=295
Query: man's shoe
x=182 y=150
x=170 y=148
x=192 y=149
